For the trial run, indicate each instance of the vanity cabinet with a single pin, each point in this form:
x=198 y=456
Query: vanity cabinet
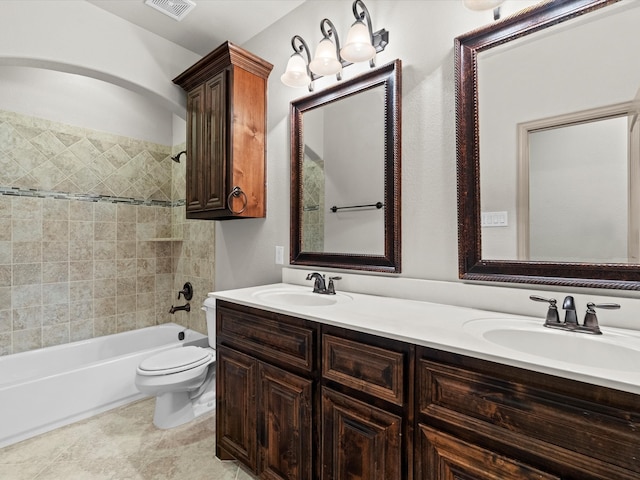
x=266 y=372
x=226 y=134
x=298 y=399
x=481 y=420
x=366 y=408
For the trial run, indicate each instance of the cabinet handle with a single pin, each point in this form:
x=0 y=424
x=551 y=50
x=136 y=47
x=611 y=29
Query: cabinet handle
x=237 y=192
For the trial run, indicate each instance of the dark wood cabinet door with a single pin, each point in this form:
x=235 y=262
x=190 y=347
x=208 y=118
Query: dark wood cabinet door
x=236 y=400
x=214 y=163
x=443 y=457
x=359 y=442
x=195 y=195
x=284 y=417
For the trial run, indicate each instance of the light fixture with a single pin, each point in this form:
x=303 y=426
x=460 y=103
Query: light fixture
x=327 y=58
x=297 y=73
x=359 y=46
x=362 y=45
x=480 y=5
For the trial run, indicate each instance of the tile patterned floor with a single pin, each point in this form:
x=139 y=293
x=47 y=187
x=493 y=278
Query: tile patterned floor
x=122 y=444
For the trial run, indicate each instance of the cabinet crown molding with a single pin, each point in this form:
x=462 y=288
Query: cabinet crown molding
x=223 y=56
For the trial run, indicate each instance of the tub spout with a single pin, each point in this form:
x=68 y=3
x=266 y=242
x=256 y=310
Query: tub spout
x=186 y=308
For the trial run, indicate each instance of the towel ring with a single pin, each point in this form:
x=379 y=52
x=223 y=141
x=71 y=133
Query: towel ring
x=236 y=192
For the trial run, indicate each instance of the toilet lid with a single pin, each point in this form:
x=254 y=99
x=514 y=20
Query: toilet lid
x=175 y=360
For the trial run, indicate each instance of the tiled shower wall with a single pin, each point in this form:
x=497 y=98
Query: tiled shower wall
x=81 y=215
x=313 y=204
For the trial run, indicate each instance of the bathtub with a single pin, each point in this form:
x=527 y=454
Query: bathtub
x=43 y=389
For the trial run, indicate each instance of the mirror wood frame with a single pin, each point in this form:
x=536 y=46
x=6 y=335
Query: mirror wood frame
x=390 y=78
x=470 y=262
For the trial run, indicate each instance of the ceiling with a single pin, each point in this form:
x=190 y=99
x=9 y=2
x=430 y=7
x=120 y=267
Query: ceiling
x=209 y=24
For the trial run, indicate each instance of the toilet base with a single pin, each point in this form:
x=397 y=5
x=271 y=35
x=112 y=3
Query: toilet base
x=173 y=409
x=177 y=408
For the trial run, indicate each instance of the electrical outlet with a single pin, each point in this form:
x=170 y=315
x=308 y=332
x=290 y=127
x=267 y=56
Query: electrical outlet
x=279 y=255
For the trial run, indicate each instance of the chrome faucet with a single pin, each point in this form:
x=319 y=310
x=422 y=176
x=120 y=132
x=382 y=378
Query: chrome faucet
x=590 y=324
x=319 y=285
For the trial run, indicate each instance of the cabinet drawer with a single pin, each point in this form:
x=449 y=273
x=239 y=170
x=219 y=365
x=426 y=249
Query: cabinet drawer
x=445 y=457
x=366 y=368
x=283 y=341
x=558 y=426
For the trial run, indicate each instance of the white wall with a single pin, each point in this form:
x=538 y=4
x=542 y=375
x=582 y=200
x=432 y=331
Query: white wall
x=421 y=34
x=579 y=193
x=78 y=37
x=85 y=102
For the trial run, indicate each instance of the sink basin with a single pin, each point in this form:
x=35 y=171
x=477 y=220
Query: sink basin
x=299 y=298
x=613 y=351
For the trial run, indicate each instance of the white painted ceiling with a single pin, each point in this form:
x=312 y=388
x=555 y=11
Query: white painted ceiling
x=209 y=24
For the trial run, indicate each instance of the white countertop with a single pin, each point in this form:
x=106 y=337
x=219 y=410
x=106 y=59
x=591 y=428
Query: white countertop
x=454 y=329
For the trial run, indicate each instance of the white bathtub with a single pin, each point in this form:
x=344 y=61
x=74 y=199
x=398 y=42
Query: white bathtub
x=46 y=388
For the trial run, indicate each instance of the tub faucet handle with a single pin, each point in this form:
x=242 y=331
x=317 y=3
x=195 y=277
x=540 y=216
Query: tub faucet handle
x=187 y=291
x=552 y=313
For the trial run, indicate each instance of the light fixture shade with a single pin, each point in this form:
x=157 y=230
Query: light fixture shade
x=479 y=5
x=358 y=47
x=296 y=73
x=325 y=61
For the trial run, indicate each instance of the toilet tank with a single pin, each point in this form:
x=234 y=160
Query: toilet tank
x=209 y=307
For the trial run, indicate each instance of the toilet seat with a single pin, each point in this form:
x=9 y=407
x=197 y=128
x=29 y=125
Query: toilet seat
x=175 y=360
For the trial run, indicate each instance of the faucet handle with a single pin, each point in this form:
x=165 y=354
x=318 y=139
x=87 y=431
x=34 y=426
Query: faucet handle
x=552 y=313
x=591 y=319
x=187 y=291
x=331 y=289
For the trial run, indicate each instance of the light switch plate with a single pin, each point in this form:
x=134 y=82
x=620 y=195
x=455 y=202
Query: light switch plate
x=494 y=219
x=279 y=255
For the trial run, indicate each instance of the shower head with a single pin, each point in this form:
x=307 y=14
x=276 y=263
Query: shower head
x=176 y=157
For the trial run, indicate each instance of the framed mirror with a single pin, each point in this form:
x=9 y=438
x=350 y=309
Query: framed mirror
x=345 y=174
x=537 y=203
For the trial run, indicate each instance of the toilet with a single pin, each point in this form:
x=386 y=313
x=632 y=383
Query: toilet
x=182 y=379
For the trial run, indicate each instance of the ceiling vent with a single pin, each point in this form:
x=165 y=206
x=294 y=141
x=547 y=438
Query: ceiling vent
x=176 y=9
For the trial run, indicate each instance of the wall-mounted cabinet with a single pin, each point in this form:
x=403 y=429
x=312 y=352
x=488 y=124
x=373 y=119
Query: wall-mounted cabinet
x=226 y=134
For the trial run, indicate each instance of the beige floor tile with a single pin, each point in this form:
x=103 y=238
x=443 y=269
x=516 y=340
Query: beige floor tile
x=122 y=444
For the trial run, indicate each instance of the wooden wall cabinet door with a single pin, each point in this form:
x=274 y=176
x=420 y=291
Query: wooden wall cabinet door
x=226 y=134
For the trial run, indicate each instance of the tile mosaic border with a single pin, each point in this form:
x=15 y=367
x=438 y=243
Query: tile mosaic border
x=23 y=192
